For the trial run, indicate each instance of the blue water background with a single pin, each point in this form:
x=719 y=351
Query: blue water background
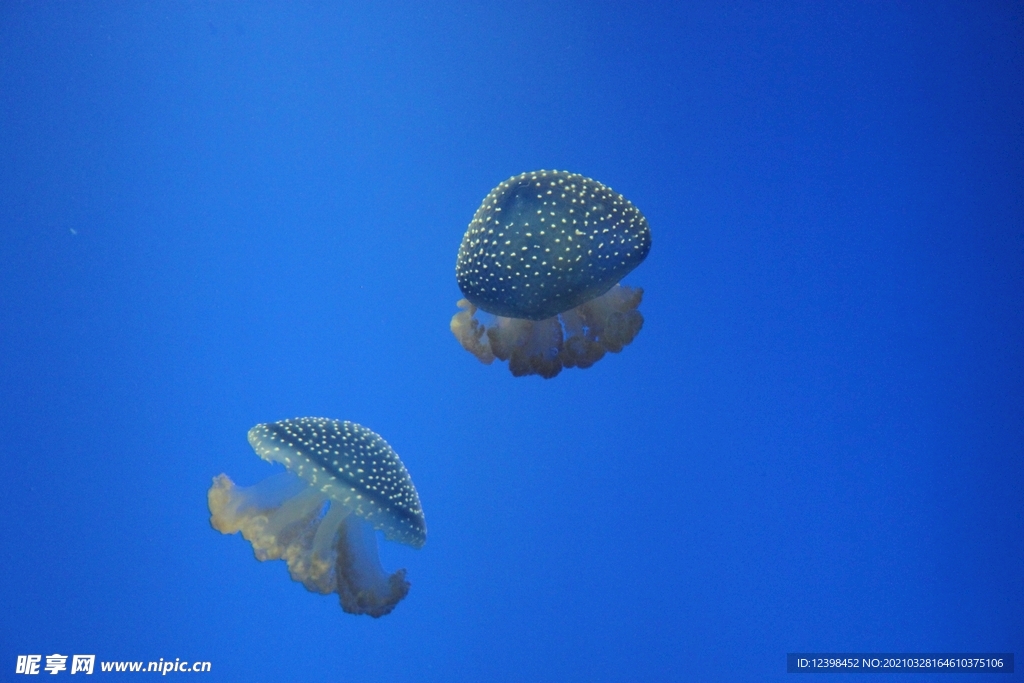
x=219 y=214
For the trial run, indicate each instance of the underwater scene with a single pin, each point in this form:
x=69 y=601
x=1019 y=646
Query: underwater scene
x=478 y=341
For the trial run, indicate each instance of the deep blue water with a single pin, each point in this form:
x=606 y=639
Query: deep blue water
x=214 y=215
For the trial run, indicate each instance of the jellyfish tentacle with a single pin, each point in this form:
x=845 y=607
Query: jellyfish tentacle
x=362 y=584
x=471 y=333
x=578 y=337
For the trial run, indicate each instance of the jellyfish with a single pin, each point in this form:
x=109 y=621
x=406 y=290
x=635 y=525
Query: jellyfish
x=342 y=483
x=544 y=256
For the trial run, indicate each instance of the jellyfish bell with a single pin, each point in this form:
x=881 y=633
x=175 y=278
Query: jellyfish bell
x=544 y=256
x=342 y=483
